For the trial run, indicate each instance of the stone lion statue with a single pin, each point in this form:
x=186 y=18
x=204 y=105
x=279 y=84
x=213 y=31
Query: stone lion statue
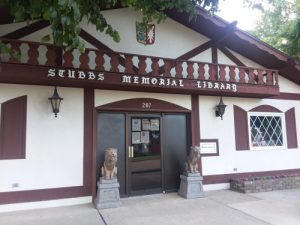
x=109 y=169
x=191 y=165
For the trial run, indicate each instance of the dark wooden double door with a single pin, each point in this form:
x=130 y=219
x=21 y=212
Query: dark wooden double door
x=151 y=147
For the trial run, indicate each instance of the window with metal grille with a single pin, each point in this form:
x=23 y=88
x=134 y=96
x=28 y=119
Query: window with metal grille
x=266 y=130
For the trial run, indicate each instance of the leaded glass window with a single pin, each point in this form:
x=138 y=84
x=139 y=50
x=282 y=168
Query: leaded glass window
x=266 y=130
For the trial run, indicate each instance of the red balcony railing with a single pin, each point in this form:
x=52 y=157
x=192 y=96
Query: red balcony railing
x=49 y=55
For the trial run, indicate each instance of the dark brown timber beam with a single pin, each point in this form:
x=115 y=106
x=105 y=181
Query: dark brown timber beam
x=231 y=28
x=99 y=45
x=231 y=56
x=24 y=31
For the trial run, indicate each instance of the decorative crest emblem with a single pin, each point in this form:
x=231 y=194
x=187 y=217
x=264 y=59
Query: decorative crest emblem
x=145 y=34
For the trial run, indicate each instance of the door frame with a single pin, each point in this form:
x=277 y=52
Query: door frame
x=140 y=106
x=129 y=115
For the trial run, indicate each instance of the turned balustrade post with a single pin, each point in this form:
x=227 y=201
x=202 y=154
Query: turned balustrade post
x=114 y=62
x=251 y=76
x=222 y=73
x=154 y=66
x=231 y=74
x=33 y=54
x=84 y=60
x=51 y=56
x=269 y=77
x=68 y=59
x=178 y=69
x=242 y=75
x=142 y=65
x=201 y=71
x=99 y=61
x=167 y=68
x=212 y=72
x=190 y=70
x=260 y=79
x=128 y=63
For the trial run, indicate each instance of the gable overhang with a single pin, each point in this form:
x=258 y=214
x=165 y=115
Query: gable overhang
x=239 y=41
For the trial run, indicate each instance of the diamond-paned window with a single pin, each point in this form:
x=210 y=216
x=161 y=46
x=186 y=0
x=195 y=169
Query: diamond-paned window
x=266 y=130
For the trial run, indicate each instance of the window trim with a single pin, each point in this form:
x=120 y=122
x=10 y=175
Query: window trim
x=284 y=135
x=9 y=152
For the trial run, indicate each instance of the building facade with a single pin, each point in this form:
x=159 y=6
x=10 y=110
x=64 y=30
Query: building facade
x=151 y=96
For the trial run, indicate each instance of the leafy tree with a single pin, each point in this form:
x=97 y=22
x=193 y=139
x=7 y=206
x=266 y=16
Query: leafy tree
x=280 y=25
x=65 y=15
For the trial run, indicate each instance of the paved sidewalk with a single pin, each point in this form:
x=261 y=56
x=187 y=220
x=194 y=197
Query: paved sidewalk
x=85 y=214
x=216 y=208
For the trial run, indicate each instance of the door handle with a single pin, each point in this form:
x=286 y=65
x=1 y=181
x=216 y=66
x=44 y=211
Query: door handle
x=130 y=152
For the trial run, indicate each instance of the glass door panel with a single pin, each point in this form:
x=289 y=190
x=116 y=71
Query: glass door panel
x=111 y=128
x=145 y=154
x=175 y=146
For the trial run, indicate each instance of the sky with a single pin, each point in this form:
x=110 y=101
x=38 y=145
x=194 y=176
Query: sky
x=231 y=10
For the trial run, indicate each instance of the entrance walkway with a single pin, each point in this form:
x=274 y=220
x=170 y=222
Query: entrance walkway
x=217 y=208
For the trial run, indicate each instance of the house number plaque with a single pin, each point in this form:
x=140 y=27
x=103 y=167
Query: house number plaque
x=146 y=105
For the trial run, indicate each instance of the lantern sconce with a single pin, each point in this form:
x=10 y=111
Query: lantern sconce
x=55 y=101
x=220 y=109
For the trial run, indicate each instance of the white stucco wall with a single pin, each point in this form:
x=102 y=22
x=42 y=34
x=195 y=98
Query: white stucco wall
x=212 y=127
x=288 y=86
x=104 y=97
x=171 y=39
x=54 y=146
x=246 y=61
x=223 y=59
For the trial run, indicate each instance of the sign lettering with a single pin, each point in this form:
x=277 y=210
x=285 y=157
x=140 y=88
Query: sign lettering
x=148 y=81
x=73 y=74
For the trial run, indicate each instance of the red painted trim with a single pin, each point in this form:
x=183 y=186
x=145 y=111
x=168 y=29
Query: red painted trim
x=265 y=108
x=88 y=138
x=195 y=120
x=94 y=157
x=214 y=55
x=195 y=125
x=139 y=105
x=291 y=129
x=24 y=74
x=42 y=194
x=24 y=31
x=13 y=128
x=286 y=96
x=225 y=178
x=67 y=192
x=241 y=129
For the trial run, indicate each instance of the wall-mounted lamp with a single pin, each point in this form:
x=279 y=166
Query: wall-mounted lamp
x=55 y=102
x=220 y=109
